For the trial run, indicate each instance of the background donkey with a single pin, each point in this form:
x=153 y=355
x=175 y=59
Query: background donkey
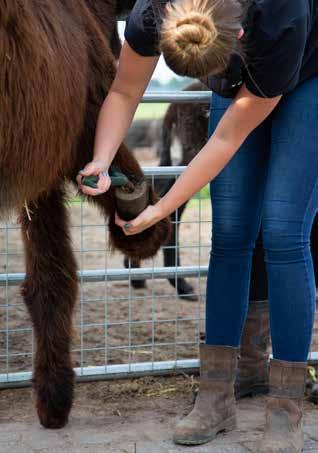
x=189 y=124
x=56 y=68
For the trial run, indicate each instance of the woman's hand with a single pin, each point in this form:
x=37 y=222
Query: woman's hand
x=116 y=114
x=96 y=168
x=151 y=215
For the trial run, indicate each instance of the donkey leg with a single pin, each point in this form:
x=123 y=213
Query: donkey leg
x=137 y=284
x=172 y=258
x=49 y=291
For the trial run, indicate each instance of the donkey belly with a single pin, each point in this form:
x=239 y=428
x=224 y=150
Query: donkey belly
x=23 y=182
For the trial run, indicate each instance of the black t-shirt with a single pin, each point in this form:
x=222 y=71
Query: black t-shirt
x=281 y=45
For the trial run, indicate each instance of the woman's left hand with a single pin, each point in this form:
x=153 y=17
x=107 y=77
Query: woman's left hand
x=151 y=215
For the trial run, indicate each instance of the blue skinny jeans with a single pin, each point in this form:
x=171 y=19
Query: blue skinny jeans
x=269 y=186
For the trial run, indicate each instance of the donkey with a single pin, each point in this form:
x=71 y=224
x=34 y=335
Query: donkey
x=56 y=67
x=189 y=124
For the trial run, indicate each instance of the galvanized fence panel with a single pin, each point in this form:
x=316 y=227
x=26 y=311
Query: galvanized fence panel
x=120 y=331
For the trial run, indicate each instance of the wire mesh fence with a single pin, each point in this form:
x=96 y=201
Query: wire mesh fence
x=128 y=321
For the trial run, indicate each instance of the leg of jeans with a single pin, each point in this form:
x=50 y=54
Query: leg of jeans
x=290 y=205
x=259 y=286
x=237 y=197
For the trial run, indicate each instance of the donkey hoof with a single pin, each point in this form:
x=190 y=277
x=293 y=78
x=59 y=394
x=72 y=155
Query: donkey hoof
x=139 y=284
x=187 y=292
x=52 y=421
x=54 y=398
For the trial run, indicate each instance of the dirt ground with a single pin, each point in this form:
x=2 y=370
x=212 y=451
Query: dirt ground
x=134 y=416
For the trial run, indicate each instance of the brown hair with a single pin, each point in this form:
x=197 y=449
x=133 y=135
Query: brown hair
x=198 y=37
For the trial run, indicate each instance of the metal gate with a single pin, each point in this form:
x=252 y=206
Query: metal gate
x=120 y=331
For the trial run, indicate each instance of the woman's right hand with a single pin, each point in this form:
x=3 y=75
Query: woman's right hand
x=96 y=168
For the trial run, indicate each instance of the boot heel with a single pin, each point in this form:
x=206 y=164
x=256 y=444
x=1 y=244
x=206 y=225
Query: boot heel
x=284 y=408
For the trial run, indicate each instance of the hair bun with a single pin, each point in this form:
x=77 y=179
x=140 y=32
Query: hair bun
x=199 y=36
x=194 y=32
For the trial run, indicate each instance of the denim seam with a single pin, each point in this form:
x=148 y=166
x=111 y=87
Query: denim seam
x=302 y=238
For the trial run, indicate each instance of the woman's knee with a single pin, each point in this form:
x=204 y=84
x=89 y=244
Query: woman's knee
x=233 y=237
x=284 y=241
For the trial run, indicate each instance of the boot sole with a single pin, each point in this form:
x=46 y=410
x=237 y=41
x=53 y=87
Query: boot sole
x=226 y=425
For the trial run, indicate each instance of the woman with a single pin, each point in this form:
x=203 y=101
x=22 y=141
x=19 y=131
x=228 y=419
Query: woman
x=262 y=160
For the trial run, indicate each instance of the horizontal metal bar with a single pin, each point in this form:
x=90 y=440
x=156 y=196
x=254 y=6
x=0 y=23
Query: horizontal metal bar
x=23 y=379
x=115 y=275
x=163 y=172
x=144 y=273
x=184 y=97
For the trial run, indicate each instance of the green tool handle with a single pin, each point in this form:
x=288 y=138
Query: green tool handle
x=118 y=179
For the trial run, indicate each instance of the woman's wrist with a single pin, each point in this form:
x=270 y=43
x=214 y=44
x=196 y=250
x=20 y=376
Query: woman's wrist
x=161 y=210
x=102 y=160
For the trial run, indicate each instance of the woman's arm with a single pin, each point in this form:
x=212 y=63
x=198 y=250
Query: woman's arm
x=117 y=112
x=245 y=113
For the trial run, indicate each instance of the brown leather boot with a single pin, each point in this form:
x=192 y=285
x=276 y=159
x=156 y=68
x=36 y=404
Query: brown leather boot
x=284 y=409
x=252 y=378
x=214 y=408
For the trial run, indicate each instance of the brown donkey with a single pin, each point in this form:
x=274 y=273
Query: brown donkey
x=56 y=67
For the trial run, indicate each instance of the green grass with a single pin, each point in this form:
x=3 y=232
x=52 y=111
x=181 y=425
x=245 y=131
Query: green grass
x=203 y=194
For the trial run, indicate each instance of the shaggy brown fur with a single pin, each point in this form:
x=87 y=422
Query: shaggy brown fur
x=56 y=68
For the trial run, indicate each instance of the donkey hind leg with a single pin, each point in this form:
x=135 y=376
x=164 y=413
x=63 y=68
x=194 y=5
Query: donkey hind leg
x=137 y=284
x=50 y=291
x=171 y=256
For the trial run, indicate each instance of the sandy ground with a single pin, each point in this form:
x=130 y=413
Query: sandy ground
x=135 y=416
